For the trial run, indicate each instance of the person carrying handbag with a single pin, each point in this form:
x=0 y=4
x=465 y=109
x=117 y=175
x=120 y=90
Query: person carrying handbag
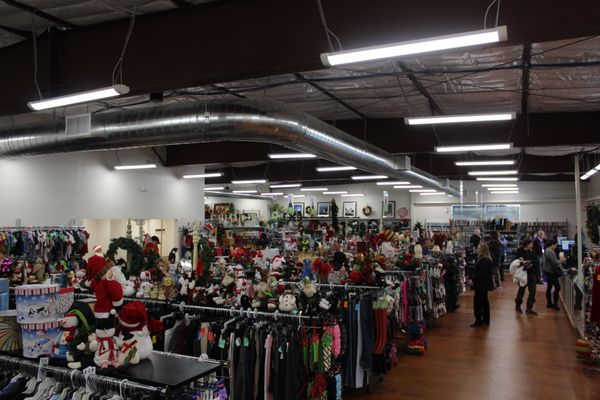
x=553 y=271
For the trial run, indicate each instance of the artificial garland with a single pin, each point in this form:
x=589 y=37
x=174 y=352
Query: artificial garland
x=133 y=248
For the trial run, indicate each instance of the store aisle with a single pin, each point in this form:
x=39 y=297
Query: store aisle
x=517 y=357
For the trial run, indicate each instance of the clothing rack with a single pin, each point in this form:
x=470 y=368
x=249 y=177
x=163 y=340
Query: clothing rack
x=231 y=311
x=40 y=228
x=334 y=285
x=71 y=376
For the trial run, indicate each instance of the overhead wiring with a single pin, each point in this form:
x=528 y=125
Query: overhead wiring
x=35 y=58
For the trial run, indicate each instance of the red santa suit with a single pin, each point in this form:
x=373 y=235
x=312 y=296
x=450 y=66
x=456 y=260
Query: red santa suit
x=109 y=293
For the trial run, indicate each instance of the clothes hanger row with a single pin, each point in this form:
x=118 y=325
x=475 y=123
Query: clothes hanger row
x=78 y=378
x=40 y=228
x=333 y=285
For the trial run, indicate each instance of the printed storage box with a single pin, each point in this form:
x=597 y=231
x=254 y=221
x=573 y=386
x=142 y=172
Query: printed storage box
x=10 y=332
x=37 y=303
x=39 y=339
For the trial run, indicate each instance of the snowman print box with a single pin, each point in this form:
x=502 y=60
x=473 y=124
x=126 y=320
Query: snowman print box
x=39 y=340
x=37 y=303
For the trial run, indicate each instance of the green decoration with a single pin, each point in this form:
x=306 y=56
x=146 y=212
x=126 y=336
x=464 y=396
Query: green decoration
x=132 y=247
x=593 y=220
x=419 y=227
x=334 y=209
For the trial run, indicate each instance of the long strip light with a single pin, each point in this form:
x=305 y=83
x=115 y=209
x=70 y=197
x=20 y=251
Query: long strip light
x=272 y=194
x=276 y=156
x=244 y=191
x=392 y=183
x=314 y=189
x=483 y=163
x=590 y=172
x=298 y=196
x=214 y=188
x=77 y=98
x=340 y=192
x=332 y=169
x=368 y=177
x=399 y=49
x=249 y=181
x=474 y=147
x=353 y=195
x=432 y=194
x=506 y=192
x=422 y=190
x=455 y=119
x=507 y=179
x=500 y=189
x=484 y=173
x=138 y=166
x=286 y=185
x=409 y=187
x=207 y=175
x=499 y=185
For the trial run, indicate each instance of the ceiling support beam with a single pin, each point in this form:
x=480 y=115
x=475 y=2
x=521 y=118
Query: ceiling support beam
x=20 y=32
x=434 y=108
x=525 y=66
x=39 y=13
x=327 y=93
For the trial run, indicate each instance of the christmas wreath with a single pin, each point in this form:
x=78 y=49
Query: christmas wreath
x=133 y=248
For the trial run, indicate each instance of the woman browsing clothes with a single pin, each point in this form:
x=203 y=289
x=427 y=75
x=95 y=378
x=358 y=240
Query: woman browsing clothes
x=482 y=281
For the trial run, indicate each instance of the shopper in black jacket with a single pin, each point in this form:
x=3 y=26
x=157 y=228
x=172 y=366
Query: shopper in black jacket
x=525 y=254
x=482 y=281
x=494 y=245
x=553 y=271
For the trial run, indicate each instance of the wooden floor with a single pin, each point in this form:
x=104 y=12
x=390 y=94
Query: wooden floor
x=517 y=357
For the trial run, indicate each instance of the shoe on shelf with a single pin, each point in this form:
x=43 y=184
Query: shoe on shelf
x=531 y=312
x=518 y=309
x=556 y=307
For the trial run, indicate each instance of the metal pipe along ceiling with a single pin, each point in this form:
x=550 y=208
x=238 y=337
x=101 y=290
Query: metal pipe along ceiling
x=213 y=121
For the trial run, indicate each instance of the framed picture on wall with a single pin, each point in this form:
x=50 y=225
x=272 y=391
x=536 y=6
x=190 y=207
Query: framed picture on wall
x=222 y=208
x=390 y=212
x=323 y=209
x=299 y=209
x=349 y=208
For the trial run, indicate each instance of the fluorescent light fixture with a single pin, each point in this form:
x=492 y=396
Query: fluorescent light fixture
x=483 y=173
x=298 y=196
x=278 y=156
x=506 y=192
x=455 y=119
x=474 y=147
x=314 y=189
x=483 y=163
x=508 y=179
x=368 y=177
x=432 y=194
x=409 y=187
x=249 y=181
x=272 y=194
x=342 y=192
x=138 y=166
x=590 y=172
x=214 y=188
x=399 y=49
x=244 y=191
x=353 y=195
x=286 y=185
x=500 y=189
x=499 y=185
x=392 y=183
x=422 y=190
x=81 y=97
x=331 y=169
x=207 y=175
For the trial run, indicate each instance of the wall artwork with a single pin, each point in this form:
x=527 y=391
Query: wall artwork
x=299 y=209
x=349 y=209
x=222 y=208
x=390 y=212
x=323 y=209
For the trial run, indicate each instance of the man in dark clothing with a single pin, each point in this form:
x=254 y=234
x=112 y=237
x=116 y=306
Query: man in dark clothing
x=525 y=254
x=494 y=246
x=538 y=250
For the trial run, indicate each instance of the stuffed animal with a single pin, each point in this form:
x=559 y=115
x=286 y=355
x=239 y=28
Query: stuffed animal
x=38 y=273
x=129 y=353
x=186 y=285
x=308 y=297
x=418 y=251
x=287 y=302
x=144 y=285
x=133 y=322
x=78 y=323
x=106 y=347
x=109 y=293
x=131 y=286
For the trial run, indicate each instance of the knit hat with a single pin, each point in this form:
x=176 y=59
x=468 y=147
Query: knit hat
x=98 y=250
x=83 y=312
x=133 y=315
x=98 y=266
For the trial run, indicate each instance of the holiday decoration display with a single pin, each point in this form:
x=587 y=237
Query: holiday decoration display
x=40 y=339
x=37 y=303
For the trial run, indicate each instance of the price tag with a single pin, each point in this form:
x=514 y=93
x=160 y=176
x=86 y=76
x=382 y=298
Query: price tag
x=41 y=375
x=89 y=371
x=221 y=343
x=246 y=342
x=203 y=331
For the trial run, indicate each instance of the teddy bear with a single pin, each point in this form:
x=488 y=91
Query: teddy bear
x=38 y=273
x=105 y=346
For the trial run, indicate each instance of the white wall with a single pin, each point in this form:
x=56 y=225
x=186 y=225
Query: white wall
x=540 y=201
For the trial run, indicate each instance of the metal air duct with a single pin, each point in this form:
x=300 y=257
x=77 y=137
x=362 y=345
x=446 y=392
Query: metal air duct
x=213 y=121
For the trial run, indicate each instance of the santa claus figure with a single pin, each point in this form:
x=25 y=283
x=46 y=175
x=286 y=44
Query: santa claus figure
x=109 y=292
x=135 y=329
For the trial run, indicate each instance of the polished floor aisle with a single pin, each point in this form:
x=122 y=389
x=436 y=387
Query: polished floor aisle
x=517 y=357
